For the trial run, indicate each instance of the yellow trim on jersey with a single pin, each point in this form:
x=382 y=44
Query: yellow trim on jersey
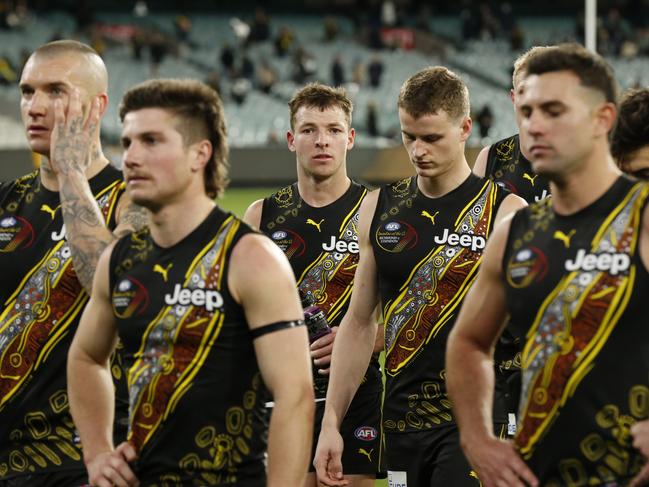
x=208 y=338
x=623 y=291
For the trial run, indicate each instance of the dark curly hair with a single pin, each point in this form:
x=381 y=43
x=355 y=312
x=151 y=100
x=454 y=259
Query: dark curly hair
x=200 y=111
x=632 y=130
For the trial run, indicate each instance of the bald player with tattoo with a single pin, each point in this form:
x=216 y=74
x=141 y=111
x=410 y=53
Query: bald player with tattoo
x=54 y=224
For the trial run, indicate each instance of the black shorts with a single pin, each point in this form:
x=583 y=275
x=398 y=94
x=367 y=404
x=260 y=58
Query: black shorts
x=361 y=432
x=429 y=458
x=65 y=478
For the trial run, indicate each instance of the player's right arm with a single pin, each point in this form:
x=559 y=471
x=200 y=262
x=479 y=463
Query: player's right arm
x=470 y=371
x=90 y=387
x=252 y=216
x=480 y=165
x=262 y=281
x=355 y=343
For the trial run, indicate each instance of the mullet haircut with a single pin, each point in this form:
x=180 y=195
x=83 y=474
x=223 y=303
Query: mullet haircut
x=200 y=116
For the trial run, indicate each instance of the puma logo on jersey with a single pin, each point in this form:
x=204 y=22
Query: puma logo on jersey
x=211 y=300
x=47 y=209
x=368 y=454
x=530 y=178
x=163 y=271
x=611 y=263
x=425 y=214
x=467 y=240
x=559 y=235
x=312 y=222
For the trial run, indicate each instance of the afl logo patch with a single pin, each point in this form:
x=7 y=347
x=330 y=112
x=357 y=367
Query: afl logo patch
x=526 y=266
x=15 y=233
x=291 y=243
x=396 y=236
x=366 y=433
x=129 y=298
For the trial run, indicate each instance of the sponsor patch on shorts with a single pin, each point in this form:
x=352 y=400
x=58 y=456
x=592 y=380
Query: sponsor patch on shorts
x=366 y=433
x=397 y=479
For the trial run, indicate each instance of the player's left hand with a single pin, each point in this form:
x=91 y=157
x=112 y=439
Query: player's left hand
x=321 y=351
x=71 y=142
x=640 y=432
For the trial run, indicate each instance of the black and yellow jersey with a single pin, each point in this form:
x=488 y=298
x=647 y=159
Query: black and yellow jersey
x=427 y=253
x=42 y=301
x=322 y=246
x=577 y=291
x=509 y=168
x=196 y=410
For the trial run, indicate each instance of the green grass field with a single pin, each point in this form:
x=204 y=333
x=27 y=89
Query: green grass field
x=237 y=200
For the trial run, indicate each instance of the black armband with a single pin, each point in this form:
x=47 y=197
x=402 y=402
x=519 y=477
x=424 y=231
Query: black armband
x=273 y=327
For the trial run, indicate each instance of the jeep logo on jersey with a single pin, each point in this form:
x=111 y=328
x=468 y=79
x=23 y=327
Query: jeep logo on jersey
x=365 y=433
x=396 y=236
x=614 y=264
x=14 y=233
x=211 y=300
x=341 y=246
x=129 y=298
x=466 y=240
x=290 y=242
x=525 y=267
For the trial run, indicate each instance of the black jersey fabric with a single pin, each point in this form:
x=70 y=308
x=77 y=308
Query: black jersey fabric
x=510 y=169
x=577 y=291
x=427 y=253
x=42 y=301
x=195 y=390
x=322 y=247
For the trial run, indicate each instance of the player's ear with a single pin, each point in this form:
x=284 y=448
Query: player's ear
x=290 y=140
x=605 y=116
x=351 y=137
x=202 y=152
x=465 y=128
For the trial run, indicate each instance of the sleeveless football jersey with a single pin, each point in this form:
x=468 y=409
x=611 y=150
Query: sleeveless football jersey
x=427 y=254
x=577 y=289
x=509 y=168
x=42 y=301
x=195 y=390
x=322 y=246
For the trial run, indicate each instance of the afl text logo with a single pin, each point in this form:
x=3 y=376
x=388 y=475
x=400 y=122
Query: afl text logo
x=525 y=267
x=129 y=298
x=396 y=236
x=366 y=433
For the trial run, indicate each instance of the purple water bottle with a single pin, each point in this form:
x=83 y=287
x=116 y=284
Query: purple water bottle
x=314 y=317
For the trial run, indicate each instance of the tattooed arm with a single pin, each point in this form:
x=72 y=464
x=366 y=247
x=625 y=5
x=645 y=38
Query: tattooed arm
x=73 y=147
